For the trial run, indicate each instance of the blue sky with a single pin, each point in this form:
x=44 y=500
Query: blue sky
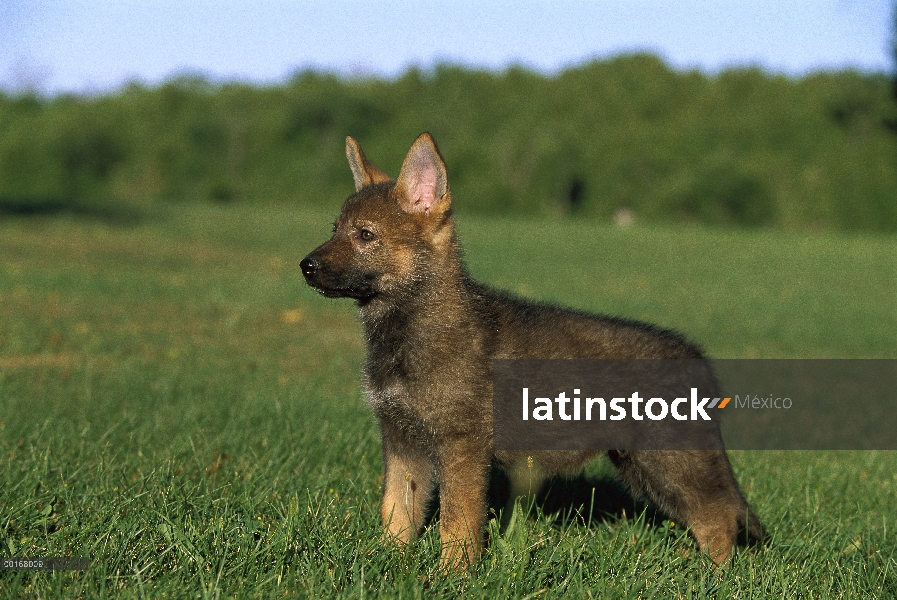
x=97 y=45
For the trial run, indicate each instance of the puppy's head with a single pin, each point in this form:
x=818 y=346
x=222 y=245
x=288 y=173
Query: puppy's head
x=390 y=234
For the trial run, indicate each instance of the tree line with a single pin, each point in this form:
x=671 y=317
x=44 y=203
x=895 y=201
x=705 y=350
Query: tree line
x=625 y=135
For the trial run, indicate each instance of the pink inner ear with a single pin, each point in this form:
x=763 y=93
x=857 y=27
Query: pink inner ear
x=424 y=190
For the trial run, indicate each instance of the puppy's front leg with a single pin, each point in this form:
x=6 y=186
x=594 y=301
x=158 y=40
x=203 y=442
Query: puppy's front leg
x=407 y=486
x=463 y=480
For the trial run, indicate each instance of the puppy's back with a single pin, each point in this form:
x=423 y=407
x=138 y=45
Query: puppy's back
x=525 y=329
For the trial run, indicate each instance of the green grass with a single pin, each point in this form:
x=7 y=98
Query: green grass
x=177 y=406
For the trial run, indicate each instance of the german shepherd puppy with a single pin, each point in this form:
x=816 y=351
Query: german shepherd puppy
x=432 y=333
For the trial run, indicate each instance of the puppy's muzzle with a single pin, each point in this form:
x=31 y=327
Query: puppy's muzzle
x=335 y=283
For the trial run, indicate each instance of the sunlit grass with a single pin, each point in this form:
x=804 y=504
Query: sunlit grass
x=177 y=406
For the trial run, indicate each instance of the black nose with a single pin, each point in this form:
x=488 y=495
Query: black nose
x=309 y=266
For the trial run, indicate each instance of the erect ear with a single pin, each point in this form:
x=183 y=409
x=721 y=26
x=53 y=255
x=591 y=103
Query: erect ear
x=363 y=172
x=422 y=183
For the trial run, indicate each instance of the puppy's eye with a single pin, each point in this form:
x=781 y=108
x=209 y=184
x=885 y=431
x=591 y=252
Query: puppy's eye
x=366 y=235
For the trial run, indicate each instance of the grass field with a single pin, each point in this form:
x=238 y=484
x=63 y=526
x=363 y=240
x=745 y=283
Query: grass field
x=177 y=406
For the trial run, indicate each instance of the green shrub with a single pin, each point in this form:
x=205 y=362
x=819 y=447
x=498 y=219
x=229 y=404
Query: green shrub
x=742 y=148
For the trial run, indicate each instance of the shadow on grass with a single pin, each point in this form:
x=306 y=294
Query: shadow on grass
x=590 y=501
x=580 y=500
x=112 y=214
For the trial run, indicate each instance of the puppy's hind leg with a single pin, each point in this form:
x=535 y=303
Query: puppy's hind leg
x=695 y=487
